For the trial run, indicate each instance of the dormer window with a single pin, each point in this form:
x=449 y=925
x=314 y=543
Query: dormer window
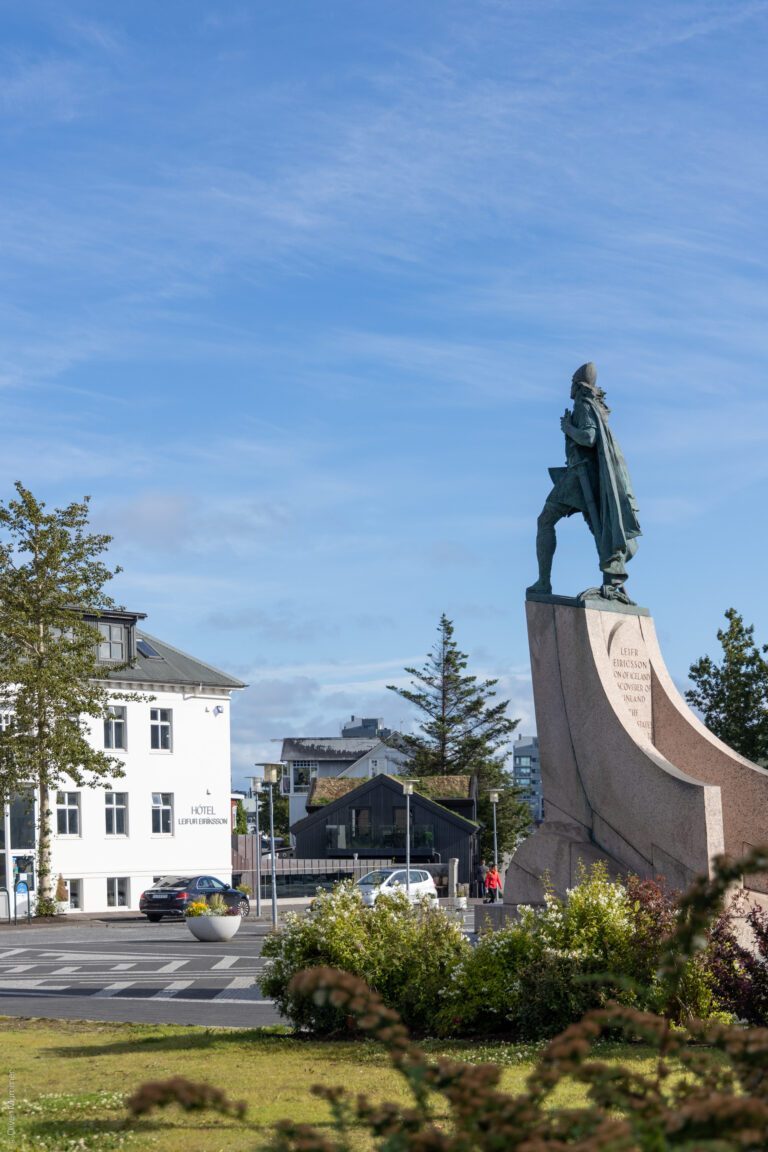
x=112 y=647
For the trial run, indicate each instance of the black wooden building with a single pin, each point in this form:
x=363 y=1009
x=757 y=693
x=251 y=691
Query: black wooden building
x=367 y=819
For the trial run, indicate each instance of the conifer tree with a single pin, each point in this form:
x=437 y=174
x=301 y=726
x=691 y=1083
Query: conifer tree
x=463 y=732
x=733 y=696
x=51 y=571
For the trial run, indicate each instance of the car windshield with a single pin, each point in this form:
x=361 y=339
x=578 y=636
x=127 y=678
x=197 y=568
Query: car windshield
x=173 y=882
x=374 y=878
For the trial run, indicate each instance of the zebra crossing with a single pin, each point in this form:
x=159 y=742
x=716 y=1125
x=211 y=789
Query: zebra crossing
x=134 y=974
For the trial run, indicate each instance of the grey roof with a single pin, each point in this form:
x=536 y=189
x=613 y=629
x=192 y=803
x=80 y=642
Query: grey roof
x=327 y=747
x=171 y=666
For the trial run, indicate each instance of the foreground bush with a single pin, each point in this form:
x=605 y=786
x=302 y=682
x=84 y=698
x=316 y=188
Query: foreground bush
x=404 y=952
x=739 y=975
x=528 y=981
x=603 y=942
x=720 y=1105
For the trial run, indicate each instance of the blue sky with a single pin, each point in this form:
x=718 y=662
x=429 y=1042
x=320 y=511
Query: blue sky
x=295 y=291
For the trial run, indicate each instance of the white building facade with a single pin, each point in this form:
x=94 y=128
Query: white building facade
x=170 y=813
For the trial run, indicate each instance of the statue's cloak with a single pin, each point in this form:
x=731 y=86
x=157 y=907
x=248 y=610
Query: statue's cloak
x=617 y=507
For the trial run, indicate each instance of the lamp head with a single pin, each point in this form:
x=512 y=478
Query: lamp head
x=494 y=795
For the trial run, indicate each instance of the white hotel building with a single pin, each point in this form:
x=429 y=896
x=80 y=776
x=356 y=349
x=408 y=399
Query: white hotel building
x=170 y=812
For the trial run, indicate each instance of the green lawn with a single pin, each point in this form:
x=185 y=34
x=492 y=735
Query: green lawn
x=69 y=1080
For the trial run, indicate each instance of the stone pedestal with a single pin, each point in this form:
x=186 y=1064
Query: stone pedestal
x=630 y=775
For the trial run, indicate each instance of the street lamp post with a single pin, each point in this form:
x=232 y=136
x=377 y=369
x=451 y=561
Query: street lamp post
x=494 y=798
x=408 y=792
x=257 y=786
x=270 y=778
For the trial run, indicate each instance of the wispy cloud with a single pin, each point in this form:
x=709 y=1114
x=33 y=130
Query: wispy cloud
x=56 y=90
x=301 y=313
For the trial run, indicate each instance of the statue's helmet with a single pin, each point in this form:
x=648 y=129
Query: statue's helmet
x=587 y=374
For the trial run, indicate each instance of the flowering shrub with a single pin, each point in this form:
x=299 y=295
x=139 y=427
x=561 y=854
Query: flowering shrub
x=527 y=979
x=405 y=952
x=604 y=941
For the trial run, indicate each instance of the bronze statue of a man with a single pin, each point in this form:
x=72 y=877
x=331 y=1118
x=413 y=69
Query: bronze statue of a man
x=594 y=482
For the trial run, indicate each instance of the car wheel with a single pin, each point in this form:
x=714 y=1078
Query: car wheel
x=243 y=908
x=154 y=919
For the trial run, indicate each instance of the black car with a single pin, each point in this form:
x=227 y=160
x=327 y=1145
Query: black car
x=172 y=895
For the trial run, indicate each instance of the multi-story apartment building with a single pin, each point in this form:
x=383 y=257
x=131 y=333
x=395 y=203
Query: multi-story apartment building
x=170 y=811
x=526 y=770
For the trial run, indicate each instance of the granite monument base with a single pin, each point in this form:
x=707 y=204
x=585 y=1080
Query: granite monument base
x=630 y=775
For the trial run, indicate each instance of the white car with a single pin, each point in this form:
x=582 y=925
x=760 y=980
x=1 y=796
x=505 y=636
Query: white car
x=395 y=880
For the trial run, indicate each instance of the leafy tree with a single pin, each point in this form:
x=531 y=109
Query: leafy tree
x=463 y=733
x=280 y=804
x=241 y=819
x=733 y=696
x=51 y=571
x=279 y=812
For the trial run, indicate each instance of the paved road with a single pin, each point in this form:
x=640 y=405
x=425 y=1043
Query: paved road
x=134 y=971
x=127 y=969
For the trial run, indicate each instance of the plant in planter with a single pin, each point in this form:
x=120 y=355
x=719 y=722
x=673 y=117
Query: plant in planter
x=212 y=920
x=62 y=898
x=460 y=899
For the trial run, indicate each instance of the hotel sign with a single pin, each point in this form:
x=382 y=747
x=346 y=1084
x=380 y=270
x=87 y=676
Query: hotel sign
x=202 y=814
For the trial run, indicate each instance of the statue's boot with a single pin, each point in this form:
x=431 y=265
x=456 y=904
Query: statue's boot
x=616 y=592
x=541 y=588
x=613 y=582
x=545 y=551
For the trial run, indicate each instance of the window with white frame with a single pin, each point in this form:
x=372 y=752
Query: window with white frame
x=74 y=893
x=68 y=813
x=160 y=729
x=115 y=728
x=116 y=813
x=303 y=772
x=162 y=813
x=117 y=892
x=111 y=648
x=6 y=719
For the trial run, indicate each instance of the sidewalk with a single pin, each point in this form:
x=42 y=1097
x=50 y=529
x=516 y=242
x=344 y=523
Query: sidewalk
x=70 y=919
x=131 y=916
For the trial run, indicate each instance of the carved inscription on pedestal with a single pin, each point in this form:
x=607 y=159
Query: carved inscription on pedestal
x=632 y=672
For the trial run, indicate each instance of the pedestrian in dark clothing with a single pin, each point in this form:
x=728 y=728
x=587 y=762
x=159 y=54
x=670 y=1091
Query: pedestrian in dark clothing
x=481 y=871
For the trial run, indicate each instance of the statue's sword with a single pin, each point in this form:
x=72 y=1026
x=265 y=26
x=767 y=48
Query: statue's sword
x=593 y=518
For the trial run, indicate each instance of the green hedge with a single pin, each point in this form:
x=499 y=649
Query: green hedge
x=405 y=952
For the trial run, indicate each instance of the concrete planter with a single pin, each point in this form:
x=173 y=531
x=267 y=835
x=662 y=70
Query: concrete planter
x=213 y=928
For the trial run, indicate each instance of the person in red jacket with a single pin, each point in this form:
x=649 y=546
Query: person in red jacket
x=493 y=885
